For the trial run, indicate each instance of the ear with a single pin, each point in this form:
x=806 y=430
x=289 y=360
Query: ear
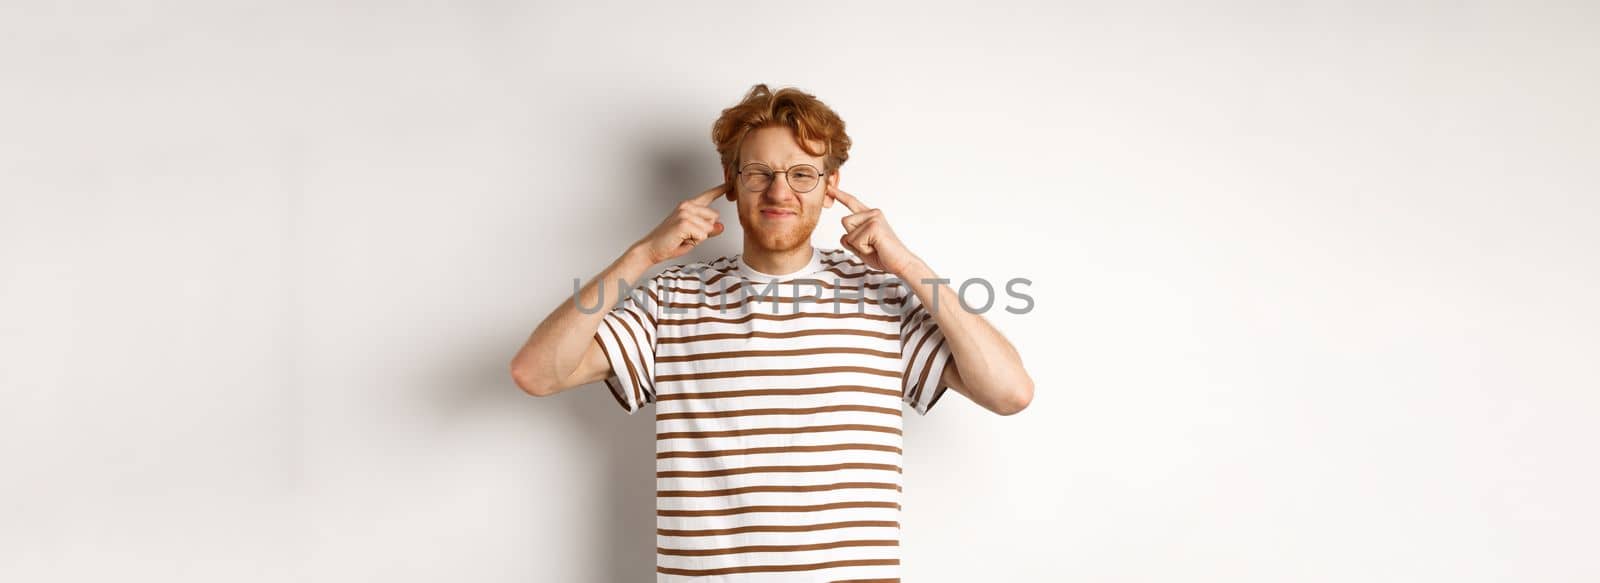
x=833 y=181
x=733 y=191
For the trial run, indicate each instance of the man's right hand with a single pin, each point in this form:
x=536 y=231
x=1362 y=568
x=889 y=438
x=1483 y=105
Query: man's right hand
x=692 y=222
x=563 y=351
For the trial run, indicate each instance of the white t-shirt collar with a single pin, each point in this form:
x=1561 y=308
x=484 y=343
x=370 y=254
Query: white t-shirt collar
x=814 y=266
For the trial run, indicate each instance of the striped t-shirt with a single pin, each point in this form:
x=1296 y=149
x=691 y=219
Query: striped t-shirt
x=778 y=414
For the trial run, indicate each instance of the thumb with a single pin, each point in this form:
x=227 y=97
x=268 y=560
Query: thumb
x=716 y=229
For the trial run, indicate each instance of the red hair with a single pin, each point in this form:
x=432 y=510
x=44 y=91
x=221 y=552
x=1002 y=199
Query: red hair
x=802 y=112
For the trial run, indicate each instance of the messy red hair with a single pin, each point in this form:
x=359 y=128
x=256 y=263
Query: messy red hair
x=801 y=112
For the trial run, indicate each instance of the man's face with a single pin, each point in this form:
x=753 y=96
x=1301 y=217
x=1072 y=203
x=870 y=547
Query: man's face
x=779 y=219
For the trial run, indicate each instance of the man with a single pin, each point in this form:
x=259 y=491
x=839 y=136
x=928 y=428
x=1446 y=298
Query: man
x=778 y=373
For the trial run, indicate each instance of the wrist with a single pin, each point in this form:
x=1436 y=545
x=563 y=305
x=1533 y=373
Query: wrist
x=637 y=255
x=913 y=270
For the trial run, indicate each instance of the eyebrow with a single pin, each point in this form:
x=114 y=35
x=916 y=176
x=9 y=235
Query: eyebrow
x=771 y=165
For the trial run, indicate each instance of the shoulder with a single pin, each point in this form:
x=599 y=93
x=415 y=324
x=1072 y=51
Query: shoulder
x=702 y=270
x=850 y=269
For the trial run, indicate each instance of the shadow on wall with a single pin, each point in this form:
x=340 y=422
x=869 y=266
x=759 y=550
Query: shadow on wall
x=681 y=168
x=624 y=445
x=624 y=449
x=619 y=450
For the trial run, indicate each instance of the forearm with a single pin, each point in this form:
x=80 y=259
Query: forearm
x=556 y=347
x=990 y=369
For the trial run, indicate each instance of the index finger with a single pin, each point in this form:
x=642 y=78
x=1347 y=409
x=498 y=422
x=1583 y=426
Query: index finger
x=711 y=194
x=850 y=201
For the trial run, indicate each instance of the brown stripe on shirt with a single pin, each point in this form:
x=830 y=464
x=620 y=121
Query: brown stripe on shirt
x=789 y=352
x=778 y=392
x=776 y=431
x=778 y=449
x=730 y=374
x=774 y=488
x=775 y=568
x=764 y=334
x=762 y=469
x=779 y=318
x=776 y=548
x=780 y=528
x=775 y=411
x=776 y=508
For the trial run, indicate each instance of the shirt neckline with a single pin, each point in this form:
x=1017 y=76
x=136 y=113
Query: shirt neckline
x=814 y=266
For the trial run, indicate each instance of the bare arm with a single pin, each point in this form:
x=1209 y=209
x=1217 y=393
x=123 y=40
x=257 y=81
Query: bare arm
x=562 y=353
x=983 y=365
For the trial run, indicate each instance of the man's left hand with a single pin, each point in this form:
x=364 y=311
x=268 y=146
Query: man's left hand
x=868 y=235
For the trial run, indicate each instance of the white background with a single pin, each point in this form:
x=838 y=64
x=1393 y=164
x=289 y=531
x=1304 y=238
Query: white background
x=1315 y=282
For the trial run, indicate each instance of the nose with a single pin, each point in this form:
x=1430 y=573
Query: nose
x=779 y=190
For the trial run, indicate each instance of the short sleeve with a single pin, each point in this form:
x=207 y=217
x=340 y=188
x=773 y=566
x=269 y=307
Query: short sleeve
x=627 y=336
x=923 y=354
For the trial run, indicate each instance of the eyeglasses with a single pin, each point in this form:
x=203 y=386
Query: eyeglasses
x=757 y=177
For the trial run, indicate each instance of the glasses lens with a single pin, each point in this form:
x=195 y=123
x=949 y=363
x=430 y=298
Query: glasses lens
x=803 y=178
x=756 y=177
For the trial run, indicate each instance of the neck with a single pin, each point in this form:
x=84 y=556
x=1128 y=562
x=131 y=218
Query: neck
x=777 y=261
